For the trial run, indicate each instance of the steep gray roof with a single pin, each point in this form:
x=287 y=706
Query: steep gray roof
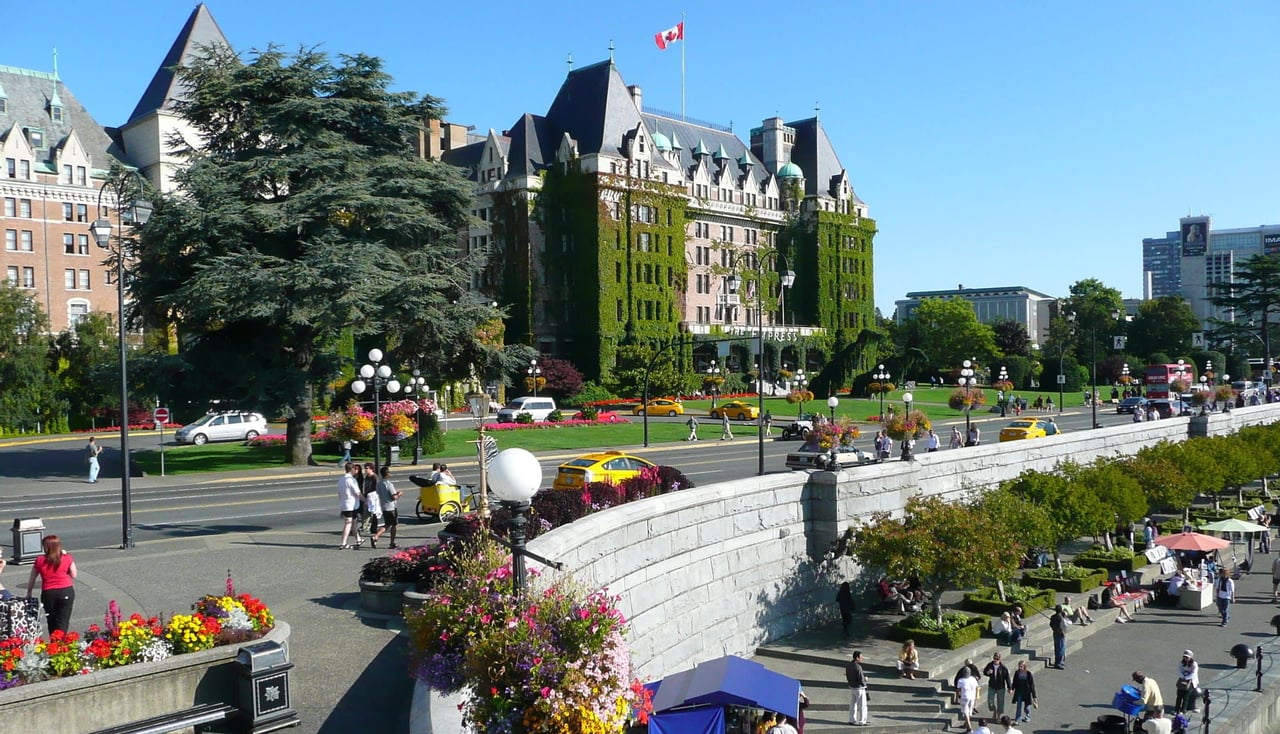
x=201 y=30
x=530 y=146
x=815 y=155
x=595 y=108
x=711 y=139
x=29 y=93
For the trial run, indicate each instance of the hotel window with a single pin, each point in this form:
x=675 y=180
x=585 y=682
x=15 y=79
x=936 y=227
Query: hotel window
x=35 y=137
x=84 y=280
x=82 y=212
x=24 y=208
x=28 y=277
x=82 y=244
x=55 y=111
x=10 y=207
x=68 y=212
x=82 y=176
x=12 y=274
x=69 y=243
x=11 y=240
x=69 y=279
x=11 y=167
x=24 y=169
x=76 y=311
x=26 y=241
x=66 y=173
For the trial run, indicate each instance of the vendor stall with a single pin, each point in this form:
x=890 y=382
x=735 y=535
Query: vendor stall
x=699 y=701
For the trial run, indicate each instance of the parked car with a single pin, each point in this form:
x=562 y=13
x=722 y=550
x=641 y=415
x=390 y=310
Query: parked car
x=225 y=426
x=1171 y=408
x=842 y=457
x=737 y=410
x=1027 y=428
x=601 y=466
x=539 y=408
x=660 y=406
x=1128 y=405
x=799 y=428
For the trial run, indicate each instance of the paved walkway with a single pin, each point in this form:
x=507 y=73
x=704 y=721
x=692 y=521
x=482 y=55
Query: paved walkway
x=1100 y=659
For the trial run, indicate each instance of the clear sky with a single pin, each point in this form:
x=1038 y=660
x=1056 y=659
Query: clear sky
x=1011 y=143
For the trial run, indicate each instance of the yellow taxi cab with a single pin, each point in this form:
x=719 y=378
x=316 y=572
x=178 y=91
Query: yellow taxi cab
x=1025 y=428
x=660 y=406
x=737 y=410
x=602 y=466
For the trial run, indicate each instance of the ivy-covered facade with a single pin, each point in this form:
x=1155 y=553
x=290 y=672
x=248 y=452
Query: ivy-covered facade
x=608 y=225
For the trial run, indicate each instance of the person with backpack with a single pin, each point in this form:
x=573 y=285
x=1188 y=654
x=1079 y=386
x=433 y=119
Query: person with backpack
x=857 y=680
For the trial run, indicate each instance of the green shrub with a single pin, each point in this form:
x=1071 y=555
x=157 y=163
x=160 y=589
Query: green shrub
x=986 y=600
x=956 y=630
x=555 y=416
x=1118 y=559
x=1073 y=579
x=524 y=418
x=591 y=392
x=589 y=412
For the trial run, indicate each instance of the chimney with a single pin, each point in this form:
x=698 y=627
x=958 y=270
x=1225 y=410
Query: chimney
x=637 y=96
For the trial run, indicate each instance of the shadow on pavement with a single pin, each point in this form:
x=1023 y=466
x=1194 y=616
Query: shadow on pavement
x=176 y=530
x=378 y=701
x=338 y=600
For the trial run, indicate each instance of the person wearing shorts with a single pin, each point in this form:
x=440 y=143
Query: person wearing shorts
x=349 y=502
x=387 y=495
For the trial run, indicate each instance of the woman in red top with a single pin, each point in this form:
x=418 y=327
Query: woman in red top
x=57 y=571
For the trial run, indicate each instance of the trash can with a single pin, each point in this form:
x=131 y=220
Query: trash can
x=393 y=456
x=28 y=534
x=1128 y=701
x=264 y=687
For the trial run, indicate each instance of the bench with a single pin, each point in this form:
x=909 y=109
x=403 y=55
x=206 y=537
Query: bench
x=196 y=716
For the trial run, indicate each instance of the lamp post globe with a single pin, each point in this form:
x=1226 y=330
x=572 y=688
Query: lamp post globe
x=907 y=399
x=832 y=403
x=515 y=476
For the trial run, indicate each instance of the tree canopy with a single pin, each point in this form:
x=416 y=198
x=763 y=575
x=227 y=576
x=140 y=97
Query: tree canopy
x=946 y=332
x=26 y=382
x=302 y=217
x=1250 y=295
x=1162 y=324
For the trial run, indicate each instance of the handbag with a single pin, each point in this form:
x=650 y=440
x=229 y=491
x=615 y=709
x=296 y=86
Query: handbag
x=1184 y=685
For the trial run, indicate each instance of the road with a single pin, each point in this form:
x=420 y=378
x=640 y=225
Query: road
x=43 y=478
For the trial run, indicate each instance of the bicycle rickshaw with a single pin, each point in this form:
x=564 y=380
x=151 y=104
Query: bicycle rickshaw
x=442 y=501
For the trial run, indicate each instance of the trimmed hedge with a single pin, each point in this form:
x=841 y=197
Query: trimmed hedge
x=1112 y=561
x=987 y=601
x=1047 y=578
x=949 y=640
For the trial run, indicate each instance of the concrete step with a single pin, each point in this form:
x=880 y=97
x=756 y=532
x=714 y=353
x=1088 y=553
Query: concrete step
x=881 y=722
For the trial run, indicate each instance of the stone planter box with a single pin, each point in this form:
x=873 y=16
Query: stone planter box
x=383 y=597
x=1113 y=566
x=1069 y=586
x=413 y=600
x=87 y=703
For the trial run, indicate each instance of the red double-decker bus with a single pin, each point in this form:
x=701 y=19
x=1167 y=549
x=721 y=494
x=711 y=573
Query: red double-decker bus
x=1156 y=379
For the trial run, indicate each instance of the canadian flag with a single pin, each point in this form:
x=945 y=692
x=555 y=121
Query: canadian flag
x=669 y=36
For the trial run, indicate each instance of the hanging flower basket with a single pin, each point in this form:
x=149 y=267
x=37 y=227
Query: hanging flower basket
x=966 y=400
x=912 y=425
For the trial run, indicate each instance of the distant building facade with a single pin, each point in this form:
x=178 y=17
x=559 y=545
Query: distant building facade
x=608 y=223
x=1028 y=307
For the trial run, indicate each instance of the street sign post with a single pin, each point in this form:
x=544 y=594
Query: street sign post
x=161 y=417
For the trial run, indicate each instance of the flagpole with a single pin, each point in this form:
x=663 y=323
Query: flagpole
x=682 y=45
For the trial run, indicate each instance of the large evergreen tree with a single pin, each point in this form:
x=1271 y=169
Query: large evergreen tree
x=26 y=383
x=1252 y=296
x=302 y=216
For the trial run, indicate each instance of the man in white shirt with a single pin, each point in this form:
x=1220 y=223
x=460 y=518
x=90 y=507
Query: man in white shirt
x=784 y=726
x=1158 y=724
x=349 y=500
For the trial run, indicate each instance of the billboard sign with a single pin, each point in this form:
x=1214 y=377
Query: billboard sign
x=1270 y=244
x=1195 y=236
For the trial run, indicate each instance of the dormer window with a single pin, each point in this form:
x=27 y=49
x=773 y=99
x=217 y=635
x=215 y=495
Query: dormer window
x=4 y=106
x=55 y=112
x=35 y=137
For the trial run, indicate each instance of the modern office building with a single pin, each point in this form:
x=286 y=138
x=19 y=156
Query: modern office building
x=1028 y=307
x=1189 y=261
x=610 y=223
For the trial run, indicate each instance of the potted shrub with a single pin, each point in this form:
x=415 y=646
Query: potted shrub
x=1072 y=579
x=987 y=601
x=1116 y=559
x=955 y=630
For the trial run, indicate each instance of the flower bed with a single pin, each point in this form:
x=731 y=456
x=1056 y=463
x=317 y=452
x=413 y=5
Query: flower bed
x=956 y=630
x=602 y=419
x=1119 y=559
x=215 y=620
x=987 y=600
x=1073 y=579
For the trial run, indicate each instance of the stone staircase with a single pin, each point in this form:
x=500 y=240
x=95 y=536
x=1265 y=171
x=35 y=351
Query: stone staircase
x=898 y=705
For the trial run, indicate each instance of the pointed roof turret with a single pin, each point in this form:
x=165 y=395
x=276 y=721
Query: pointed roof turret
x=700 y=149
x=720 y=155
x=744 y=160
x=200 y=30
x=675 y=141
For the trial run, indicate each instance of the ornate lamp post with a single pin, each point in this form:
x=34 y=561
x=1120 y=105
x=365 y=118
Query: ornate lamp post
x=801 y=380
x=966 y=381
x=832 y=403
x=516 y=476
x=713 y=377
x=535 y=375
x=881 y=376
x=478 y=402
x=379 y=375
x=1004 y=401
x=1125 y=379
x=137 y=212
x=907 y=400
x=417 y=386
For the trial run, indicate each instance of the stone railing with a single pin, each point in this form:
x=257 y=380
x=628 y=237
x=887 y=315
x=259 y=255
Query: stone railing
x=106 y=698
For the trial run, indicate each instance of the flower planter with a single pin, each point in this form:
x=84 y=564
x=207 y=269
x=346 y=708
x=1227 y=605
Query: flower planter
x=1112 y=565
x=949 y=640
x=383 y=597
x=1069 y=586
x=986 y=601
x=413 y=600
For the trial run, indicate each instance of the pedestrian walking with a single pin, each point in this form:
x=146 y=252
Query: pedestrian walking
x=349 y=505
x=931 y=441
x=368 y=485
x=1009 y=728
x=1024 y=694
x=373 y=507
x=1224 y=595
x=92 y=452
x=387 y=495
x=1264 y=537
x=975 y=435
x=844 y=600
x=857 y=680
x=56 y=570
x=999 y=683
x=956 y=440
x=346 y=452
x=1188 y=685
x=1058 y=625
x=966 y=694
x=768 y=423
x=692 y=423
x=1275 y=579
x=726 y=428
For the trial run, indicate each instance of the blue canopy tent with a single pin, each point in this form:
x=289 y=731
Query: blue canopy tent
x=693 y=701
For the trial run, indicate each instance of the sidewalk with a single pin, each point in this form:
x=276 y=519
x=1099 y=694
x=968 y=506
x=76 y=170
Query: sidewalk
x=350 y=672
x=1100 y=659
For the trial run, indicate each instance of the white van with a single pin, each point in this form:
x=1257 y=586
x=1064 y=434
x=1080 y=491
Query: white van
x=538 y=407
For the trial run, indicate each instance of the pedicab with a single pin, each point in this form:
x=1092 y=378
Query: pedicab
x=442 y=501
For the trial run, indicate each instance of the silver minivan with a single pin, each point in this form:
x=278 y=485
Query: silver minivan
x=539 y=408
x=225 y=426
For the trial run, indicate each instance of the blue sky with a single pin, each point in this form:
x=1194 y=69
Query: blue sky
x=1005 y=143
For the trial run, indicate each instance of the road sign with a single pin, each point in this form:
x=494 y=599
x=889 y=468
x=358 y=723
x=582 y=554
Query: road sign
x=1197 y=340
x=161 y=415
x=1062 y=379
